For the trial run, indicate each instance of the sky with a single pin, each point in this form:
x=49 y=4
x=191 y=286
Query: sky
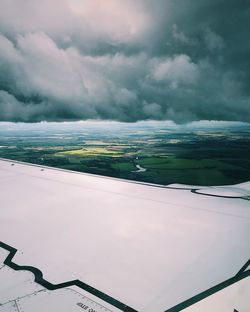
x=124 y=60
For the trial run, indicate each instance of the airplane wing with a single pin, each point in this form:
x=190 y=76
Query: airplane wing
x=79 y=242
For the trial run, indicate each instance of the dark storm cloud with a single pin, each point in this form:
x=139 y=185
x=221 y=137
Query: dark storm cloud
x=124 y=60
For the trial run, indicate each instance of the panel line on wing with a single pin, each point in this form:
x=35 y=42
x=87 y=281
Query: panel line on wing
x=41 y=281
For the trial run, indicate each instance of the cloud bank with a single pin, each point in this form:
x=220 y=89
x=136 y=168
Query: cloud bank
x=124 y=60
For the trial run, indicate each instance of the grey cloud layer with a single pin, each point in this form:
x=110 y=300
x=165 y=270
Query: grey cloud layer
x=124 y=60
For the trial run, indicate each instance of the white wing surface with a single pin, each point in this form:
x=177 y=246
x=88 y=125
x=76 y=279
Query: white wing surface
x=81 y=242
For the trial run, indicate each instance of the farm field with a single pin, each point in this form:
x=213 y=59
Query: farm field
x=149 y=152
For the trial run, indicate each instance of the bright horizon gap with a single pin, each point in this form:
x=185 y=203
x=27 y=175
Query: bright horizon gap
x=97 y=121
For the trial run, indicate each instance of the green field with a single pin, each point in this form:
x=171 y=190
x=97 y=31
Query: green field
x=202 y=157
